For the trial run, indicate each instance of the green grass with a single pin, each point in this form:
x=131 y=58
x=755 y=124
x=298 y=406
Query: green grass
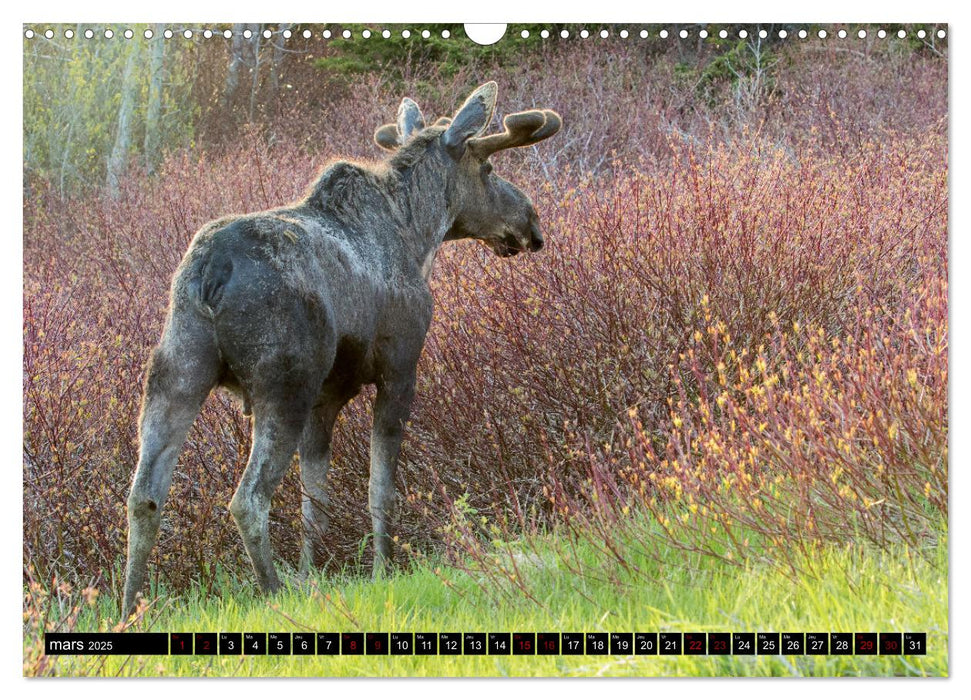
x=854 y=589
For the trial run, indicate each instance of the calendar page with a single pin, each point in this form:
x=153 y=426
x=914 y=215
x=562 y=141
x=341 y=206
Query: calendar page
x=485 y=350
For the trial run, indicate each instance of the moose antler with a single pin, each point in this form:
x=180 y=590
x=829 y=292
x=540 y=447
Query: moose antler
x=522 y=129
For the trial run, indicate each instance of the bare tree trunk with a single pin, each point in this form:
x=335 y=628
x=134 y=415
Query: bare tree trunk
x=235 y=65
x=279 y=51
x=118 y=160
x=154 y=111
x=238 y=59
x=255 y=87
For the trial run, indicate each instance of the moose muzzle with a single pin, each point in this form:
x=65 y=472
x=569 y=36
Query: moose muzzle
x=535 y=235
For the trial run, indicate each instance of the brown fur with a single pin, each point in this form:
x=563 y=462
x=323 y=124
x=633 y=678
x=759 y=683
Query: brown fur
x=296 y=308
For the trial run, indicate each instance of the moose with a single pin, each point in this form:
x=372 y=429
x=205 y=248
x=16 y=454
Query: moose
x=294 y=309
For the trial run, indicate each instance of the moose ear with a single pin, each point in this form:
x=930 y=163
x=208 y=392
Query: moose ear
x=471 y=119
x=410 y=119
x=387 y=137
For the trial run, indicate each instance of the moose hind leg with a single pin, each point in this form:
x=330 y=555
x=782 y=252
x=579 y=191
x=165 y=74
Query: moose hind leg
x=391 y=409
x=276 y=432
x=174 y=393
x=315 y=456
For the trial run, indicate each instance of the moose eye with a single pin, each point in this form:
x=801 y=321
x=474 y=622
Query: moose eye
x=486 y=169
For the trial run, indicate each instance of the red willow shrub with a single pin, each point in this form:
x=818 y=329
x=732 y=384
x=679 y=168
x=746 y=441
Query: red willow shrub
x=811 y=438
x=729 y=312
x=772 y=334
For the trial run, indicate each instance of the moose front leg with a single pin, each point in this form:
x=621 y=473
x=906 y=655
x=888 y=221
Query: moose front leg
x=391 y=408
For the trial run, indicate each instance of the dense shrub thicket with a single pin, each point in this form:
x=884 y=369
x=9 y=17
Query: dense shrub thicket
x=739 y=323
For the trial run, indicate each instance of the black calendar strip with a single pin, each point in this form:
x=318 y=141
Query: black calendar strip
x=487 y=643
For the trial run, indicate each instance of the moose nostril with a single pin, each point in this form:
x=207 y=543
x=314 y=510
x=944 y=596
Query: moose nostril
x=535 y=237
